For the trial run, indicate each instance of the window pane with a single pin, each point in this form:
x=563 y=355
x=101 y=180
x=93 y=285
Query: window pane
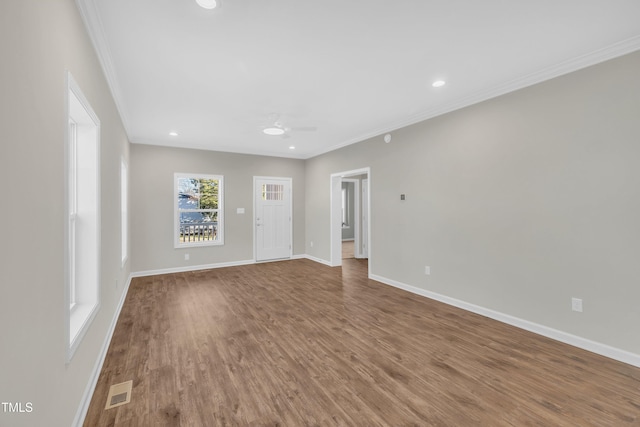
x=208 y=193
x=272 y=192
x=199 y=214
x=198 y=217
x=83 y=237
x=188 y=193
x=198 y=226
x=196 y=193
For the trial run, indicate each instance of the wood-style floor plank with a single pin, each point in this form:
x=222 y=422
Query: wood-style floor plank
x=296 y=343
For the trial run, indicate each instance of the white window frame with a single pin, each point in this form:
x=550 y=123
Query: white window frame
x=176 y=220
x=82 y=226
x=72 y=207
x=124 y=210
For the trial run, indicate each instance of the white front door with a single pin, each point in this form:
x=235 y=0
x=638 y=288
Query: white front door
x=272 y=218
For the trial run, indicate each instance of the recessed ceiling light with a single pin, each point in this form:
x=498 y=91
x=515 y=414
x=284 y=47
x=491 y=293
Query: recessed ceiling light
x=273 y=131
x=207 y=4
x=438 y=83
x=292 y=148
x=173 y=133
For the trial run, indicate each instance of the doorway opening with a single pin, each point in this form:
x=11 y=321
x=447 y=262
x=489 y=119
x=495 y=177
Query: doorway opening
x=350 y=207
x=351 y=223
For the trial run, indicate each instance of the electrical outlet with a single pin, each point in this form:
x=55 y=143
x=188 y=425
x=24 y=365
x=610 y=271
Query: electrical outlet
x=312 y=243
x=427 y=270
x=186 y=257
x=576 y=304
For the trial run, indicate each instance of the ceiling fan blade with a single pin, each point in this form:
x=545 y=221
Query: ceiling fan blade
x=304 y=129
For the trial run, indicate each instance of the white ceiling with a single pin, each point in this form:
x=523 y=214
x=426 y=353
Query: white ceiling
x=352 y=69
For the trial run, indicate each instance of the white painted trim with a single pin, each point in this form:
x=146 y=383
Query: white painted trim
x=219 y=265
x=124 y=210
x=318 y=260
x=335 y=219
x=176 y=213
x=564 y=337
x=95 y=29
x=81 y=316
x=95 y=375
x=598 y=348
x=191 y=268
x=565 y=67
x=91 y=17
x=365 y=212
x=335 y=199
x=93 y=380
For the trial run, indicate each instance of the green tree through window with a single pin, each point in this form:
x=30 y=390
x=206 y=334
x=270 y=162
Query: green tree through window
x=199 y=213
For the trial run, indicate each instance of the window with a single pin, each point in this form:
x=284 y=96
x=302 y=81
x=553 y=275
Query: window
x=198 y=210
x=82 y=256
x=124 y=210
x=272 y=192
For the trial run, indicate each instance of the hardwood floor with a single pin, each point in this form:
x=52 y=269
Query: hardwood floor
x=296 y=343
x=348 y=248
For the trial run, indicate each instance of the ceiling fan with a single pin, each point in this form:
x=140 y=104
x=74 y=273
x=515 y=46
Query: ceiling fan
x=278 y=129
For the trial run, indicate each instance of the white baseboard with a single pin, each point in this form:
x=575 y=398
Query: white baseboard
x=576 y=341
x=564 y=337
x=91 y=386
x=319 y=260
x=219 y=265
x=191 y=268
x=88 y=393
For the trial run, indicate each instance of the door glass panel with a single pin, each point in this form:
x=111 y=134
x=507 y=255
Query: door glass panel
x=272 y=192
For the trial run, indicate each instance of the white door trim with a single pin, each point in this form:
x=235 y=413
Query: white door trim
x=335 y=198
x=364 y=212
x=253 y=225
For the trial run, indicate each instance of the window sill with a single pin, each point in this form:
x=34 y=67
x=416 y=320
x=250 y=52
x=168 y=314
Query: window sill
x=196 y=244
x=80 y=318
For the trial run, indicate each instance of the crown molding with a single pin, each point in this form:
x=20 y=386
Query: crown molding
x=92 y=22
x=91 y=17
x=612 y=51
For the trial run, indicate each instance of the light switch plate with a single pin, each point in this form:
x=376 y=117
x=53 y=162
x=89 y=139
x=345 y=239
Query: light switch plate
x=576 y=304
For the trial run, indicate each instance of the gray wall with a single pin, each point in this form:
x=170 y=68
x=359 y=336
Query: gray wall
x=39 y=41
x=152 y=172
x=517 y=204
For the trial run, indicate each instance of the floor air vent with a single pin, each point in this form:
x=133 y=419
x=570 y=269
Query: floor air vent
x=119 y=394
